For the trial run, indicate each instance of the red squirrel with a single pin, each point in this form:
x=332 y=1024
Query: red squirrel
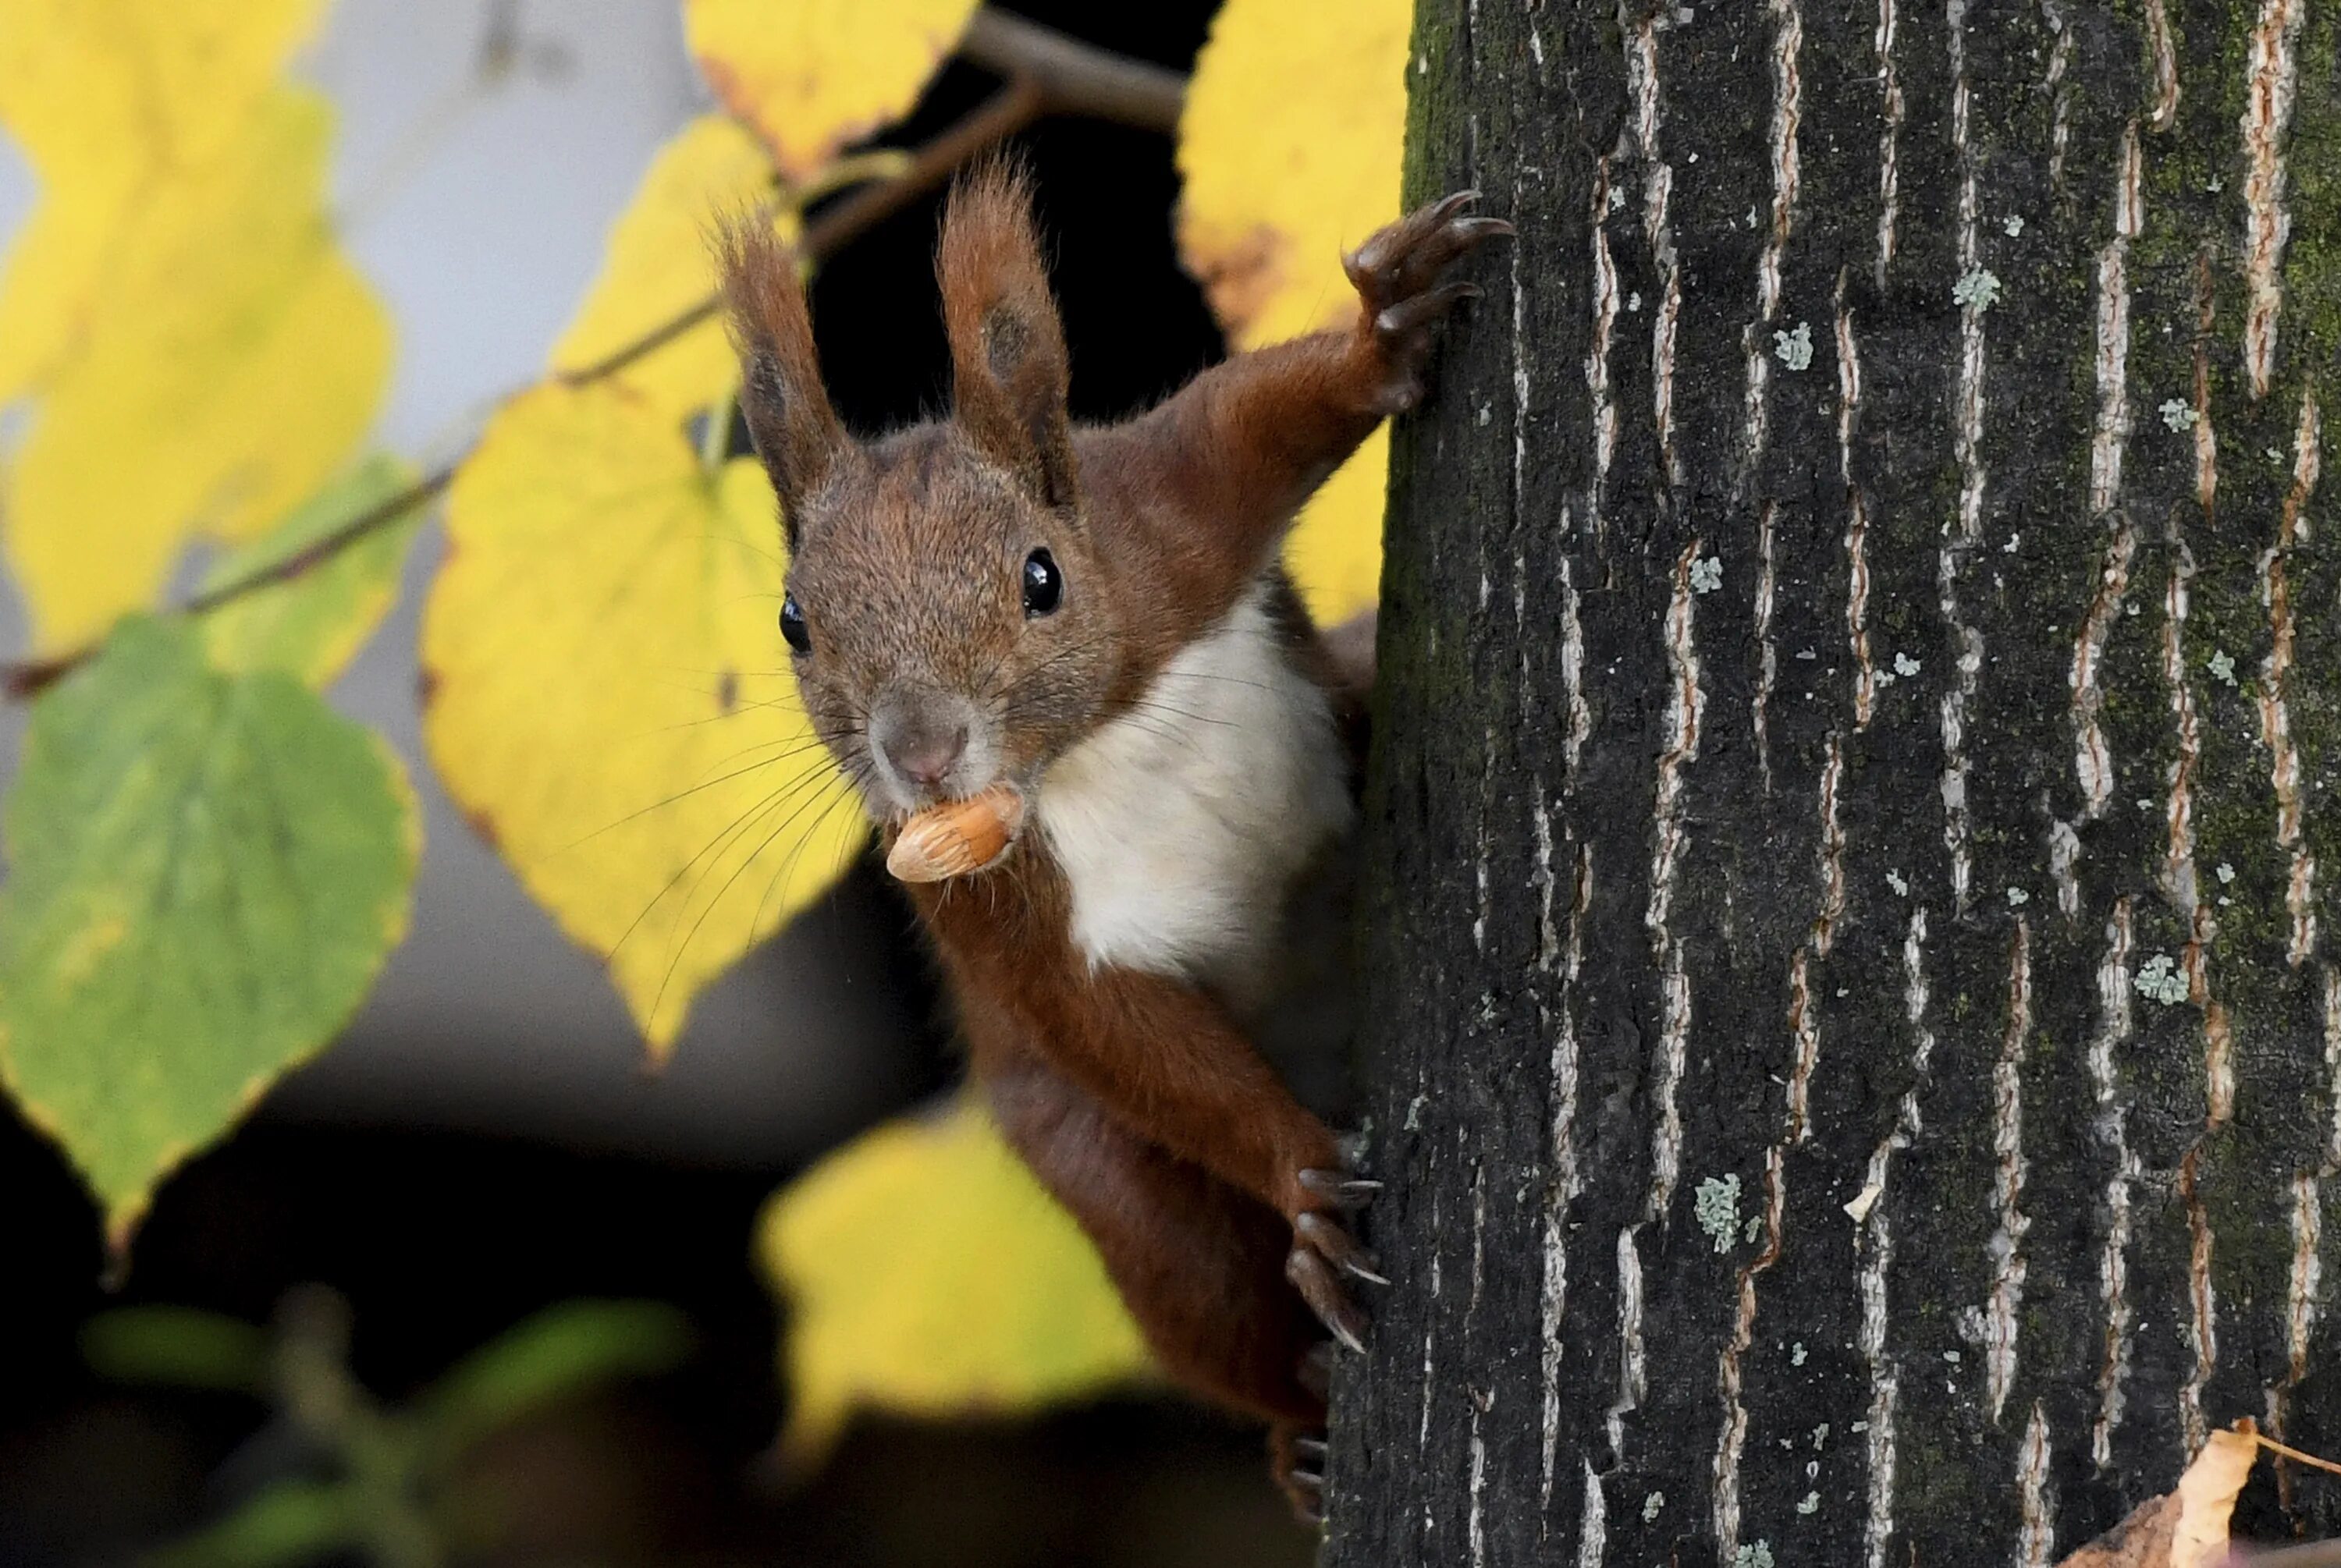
x=1097 y=616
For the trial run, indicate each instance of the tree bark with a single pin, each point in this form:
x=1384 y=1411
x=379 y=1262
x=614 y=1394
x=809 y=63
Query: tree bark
x=1854 y=964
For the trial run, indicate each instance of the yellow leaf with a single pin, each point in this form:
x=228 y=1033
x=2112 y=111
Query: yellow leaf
x=107 y=101
x=1335 y=551
x=659 y=265
x=1289 y=145
x=816 y=75
x=238 y=358
x=928 y=1274
x=609 y=696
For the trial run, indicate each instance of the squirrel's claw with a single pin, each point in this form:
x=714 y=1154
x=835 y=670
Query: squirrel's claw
x=1298 y=1463
x=1323 y=1250
x=1314 y=1278
x=1305 y=1489
x=1344 y=1192
x=1404 y=258
x=1412 y=315
x=1416 y=246
x=1338 y=1246
x=1396 y=272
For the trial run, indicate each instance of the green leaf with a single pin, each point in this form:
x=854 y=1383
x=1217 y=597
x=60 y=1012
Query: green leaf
x=291 y=1522
x=184 y=1346
x=312 y=625
x=561 y=1350
x=206 y=872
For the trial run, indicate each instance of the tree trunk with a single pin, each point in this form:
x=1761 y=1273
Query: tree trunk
x=1855 y=968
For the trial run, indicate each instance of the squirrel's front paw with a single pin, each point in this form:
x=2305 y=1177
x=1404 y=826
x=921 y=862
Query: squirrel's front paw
x=1323 y=1250
x=1397 y=275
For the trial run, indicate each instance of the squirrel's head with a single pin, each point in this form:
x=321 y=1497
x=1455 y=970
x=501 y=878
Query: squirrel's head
x=947 y=619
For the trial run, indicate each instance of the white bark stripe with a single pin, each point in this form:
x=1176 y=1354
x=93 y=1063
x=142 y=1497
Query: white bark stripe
x=1889 y=90
x=1429 y=1384
x=2112 y=426
x=1874 y=1245
x=2060 y=135
x=2207 y=438
x=1596 y=356
x=1593 y=1522
x=1475 y=1518
x=2180 y=879
x=1967 y=438
x=1970 y=409
x=1572 y=671
x=1633 y=1370
x=2300 y=1292
x=1729 y=1374
x=1787 y=100
x=2333 y=1063
x=2001 y=1316
x=1522 y=400
x=2267 y=117
x=2116 y=1023
x=2178 y=813
x=2166 y=65
x=1877 y=1248
x=1768 y=667
x=1832 y=883
x=1804 y=1044
x=1565 y=1183
x=1857 y=515
x=1658 y=178
x=2036 y=1546
x=1686 y=703
x=2218 y=1029
x=2275 y=671
x=2203 y=1306
x=2063 y=855
x=2093 y=760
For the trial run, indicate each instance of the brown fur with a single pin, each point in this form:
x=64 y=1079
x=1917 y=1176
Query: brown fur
x=1135 y=1097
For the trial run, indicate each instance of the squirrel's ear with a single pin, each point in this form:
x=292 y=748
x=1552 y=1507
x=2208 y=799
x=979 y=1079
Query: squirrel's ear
x=1007 y=347
x=789 y=416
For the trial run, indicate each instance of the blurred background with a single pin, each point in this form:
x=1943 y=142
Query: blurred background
x=485 y=1143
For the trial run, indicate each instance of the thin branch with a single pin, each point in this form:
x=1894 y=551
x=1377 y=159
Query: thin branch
x=1046 y=74
x=1077 y=78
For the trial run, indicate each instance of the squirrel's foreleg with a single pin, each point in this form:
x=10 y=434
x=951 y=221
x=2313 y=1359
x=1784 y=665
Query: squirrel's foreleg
x=1200 y=1263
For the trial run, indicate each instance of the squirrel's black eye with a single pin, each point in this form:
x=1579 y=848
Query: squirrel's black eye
x=1044 y=585
x=792 y=626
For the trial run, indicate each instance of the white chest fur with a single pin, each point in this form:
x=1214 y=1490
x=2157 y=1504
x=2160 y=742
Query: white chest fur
x=1182 y=825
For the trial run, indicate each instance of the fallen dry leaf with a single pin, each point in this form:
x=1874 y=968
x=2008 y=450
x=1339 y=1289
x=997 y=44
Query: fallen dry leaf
x=2186 y=1528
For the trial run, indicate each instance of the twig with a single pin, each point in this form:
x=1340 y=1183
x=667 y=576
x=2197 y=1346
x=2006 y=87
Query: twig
x=2295 y=1455
x=1046 y=74
x=1077 y=78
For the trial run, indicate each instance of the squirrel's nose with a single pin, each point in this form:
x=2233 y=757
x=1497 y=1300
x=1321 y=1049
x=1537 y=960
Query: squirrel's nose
x=923 y=751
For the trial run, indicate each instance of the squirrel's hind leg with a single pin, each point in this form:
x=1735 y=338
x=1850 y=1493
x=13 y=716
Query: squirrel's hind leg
x=1296 y=1459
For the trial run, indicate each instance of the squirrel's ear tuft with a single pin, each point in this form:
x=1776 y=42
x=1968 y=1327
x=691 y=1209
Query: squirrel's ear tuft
x=789 y=416
x=1007 y=347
